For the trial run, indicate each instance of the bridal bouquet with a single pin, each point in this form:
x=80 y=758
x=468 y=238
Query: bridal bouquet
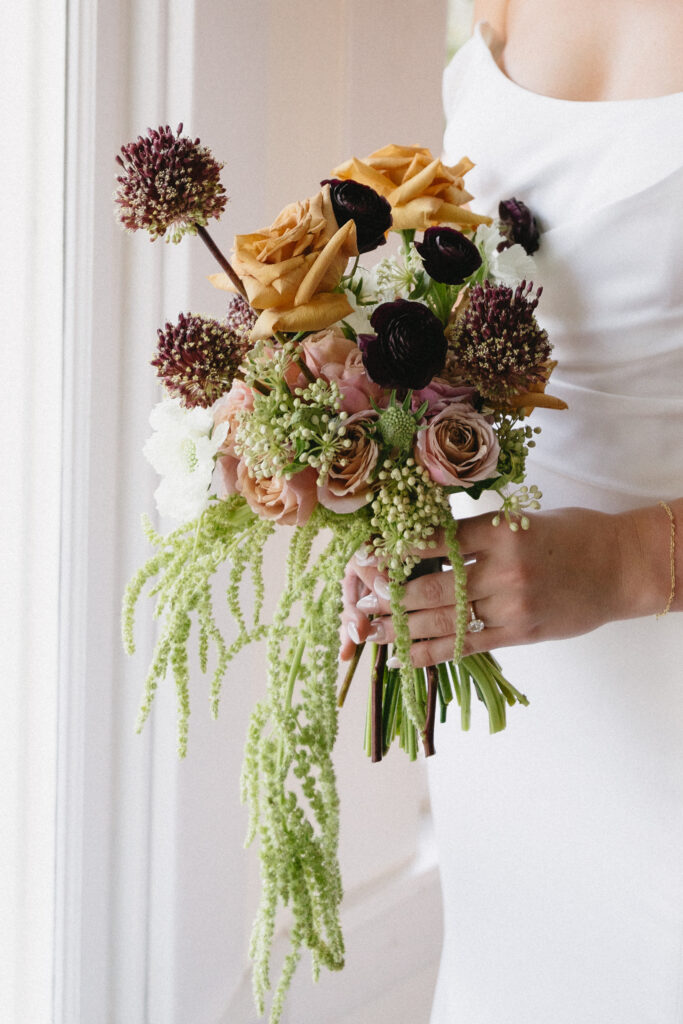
x=340 y=399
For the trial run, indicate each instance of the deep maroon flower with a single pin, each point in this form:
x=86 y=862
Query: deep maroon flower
x=409 y=347
x=496 y=344
x=170 y=185
x=518 y=224
x=448 y=256
x=240 y=317
x=360 y=203
x=198 y=358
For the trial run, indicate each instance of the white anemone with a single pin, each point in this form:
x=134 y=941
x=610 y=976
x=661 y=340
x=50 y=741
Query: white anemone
x=183 y=450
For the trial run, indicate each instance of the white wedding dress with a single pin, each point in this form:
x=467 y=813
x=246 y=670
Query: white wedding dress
x=561 y=839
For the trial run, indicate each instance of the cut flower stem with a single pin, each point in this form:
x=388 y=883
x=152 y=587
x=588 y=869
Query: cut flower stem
x=221 y=260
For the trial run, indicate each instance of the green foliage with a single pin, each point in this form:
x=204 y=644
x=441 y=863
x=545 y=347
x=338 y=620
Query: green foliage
x=185 y=562
x=288 y=777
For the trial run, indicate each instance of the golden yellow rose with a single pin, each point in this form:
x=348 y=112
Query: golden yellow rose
x=290 y=270
x=422 y=191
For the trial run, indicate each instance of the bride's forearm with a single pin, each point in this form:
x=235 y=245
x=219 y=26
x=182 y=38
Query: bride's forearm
x=652 y=573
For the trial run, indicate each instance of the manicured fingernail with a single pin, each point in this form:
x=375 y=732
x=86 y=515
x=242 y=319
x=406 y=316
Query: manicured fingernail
x=352 y=630
x=363 y=557
x=369 y=603
x=377 y=633
x=393 y=662
x=382 y=588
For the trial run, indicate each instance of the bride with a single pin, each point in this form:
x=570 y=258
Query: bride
x=560 y=839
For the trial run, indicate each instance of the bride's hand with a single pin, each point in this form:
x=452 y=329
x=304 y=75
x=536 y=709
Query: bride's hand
x=571 y=571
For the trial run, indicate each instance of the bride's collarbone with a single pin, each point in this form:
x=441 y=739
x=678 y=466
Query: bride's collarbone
x=581 y=52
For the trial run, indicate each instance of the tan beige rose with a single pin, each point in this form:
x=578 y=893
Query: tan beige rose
x=350 y=480
x=288 y=500
x=290 y=270
x=422 y=191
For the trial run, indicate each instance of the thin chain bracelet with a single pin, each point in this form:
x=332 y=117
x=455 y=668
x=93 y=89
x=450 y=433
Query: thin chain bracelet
x=672 y=552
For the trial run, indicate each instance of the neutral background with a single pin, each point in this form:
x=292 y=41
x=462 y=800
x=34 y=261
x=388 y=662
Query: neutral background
x=125 y=892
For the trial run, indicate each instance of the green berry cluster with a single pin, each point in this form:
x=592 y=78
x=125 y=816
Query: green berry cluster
x=290 y=429
x=406 y=511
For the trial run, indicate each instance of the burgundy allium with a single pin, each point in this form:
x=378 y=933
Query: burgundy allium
x=170 y=185
x=518 y=224
x=240 y=317
x=496 y=344
x=360 y=203
x=448 y=256
x=409 y=347
x=198 y=358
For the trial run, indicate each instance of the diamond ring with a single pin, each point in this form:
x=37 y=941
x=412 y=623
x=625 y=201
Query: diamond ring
x=475 y=625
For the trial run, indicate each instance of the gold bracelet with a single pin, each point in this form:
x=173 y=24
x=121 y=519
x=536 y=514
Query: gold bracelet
x=672 y=552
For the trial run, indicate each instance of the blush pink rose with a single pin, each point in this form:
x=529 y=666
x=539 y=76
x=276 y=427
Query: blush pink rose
x=227 y=410
x=326 y=352
x=288 y=500
x=458 y=447
x=334 y=357
x=349 y=484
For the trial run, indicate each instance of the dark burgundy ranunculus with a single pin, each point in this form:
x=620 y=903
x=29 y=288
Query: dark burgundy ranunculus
x=409 y=347
x=448 y=255
x=518 y=224
x=360 y=203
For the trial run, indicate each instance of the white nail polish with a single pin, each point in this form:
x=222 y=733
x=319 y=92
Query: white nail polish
x=382 y=588
x=369 y=603
x=393 y=662
x=352 y=630
x=365 y=558
x=377 y=633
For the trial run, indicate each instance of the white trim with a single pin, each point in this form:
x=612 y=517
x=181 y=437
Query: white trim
x=31 y=83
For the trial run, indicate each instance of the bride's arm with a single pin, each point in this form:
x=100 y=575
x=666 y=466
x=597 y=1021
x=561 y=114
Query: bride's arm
x=572 y=571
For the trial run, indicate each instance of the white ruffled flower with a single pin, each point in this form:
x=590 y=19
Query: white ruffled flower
x=182 y=450
x=359 y=320
x=510 y=265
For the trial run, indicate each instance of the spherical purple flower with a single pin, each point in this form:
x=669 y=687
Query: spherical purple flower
x=518 y=224
x=370 y=211
x=198 y=358
x=170 y=185
x=409 y=347
x=240 y=317
x=448 y=256
x=496 y=344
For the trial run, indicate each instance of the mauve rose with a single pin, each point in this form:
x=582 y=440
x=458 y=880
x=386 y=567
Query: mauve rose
x=448 y=256
x=409 y=347
x=458 y=447
x=227 y=410
x=370 y=211
x=518 y=225
x=349 y=486
x=439 y=394
x=288 y=500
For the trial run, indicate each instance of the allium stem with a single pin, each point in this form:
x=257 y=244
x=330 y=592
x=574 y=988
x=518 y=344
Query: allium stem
x=428 y=732
x=376 y=685
x=348 y=678
x=221 y=260
x=305 y=370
